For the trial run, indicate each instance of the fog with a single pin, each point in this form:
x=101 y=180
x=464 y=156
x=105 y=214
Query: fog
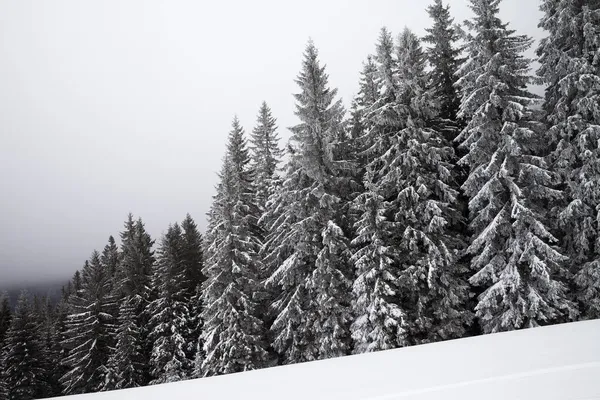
x=111 y=107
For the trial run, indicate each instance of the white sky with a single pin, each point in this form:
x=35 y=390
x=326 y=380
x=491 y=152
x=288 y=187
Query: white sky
x=108 y=107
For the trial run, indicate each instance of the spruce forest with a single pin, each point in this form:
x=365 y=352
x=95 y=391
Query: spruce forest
x=448 y=201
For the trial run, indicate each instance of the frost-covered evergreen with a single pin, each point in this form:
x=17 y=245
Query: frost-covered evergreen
x=90 y=330
x=132 y=286
x=266 y=154
x=110 y=256
x=5 y=316
x=514 y=259
x=126 y=364
x=233 y=334
x=192 y=255
x=444 y=59
x=418 y=176
x=24 y=361
x=570 y=59
x=409 y=288
x=169 y=312
x=306 y=249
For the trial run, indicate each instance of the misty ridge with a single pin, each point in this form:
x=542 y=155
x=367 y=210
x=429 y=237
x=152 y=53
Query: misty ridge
x=445 y=201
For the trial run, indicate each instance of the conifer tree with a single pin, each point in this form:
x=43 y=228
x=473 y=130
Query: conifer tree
x=266 y=154
x=76 y=282
x=233 y=336
x=192 y=254
x=169 y=312
x=306 y=249
x=444 y=59
x=110 y=256
x=90 y=330
x=408 y=289
x=24 y=360
x=125 y=365
x=5 y=316
x=133 y=288
x=570 y=66
x=514 y=258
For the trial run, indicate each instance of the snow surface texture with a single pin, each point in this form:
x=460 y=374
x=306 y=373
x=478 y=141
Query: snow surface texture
x=559 y=362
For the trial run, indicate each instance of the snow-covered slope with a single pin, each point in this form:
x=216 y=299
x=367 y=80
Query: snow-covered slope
x=559 y=362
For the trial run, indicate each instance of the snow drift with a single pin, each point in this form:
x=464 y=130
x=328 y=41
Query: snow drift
x=560 y=362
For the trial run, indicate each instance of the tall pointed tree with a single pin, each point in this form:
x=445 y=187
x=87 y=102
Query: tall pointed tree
x=169 y=312
x=443 y=55
x=192 y=259
x=379 y=320
x=570 y=66
x=133 y=288
x=306 y=249
x=125 y=365
x=266 y=154
x=90 y=330
x=110 y=256
x=514 y=258
x=233 y=334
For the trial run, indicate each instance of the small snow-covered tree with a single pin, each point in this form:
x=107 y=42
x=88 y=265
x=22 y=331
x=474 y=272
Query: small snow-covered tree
x=233 y=335
x=89 y=330
x=517 y=266
x=24 y=367
x=5 y=316
x=570 y=66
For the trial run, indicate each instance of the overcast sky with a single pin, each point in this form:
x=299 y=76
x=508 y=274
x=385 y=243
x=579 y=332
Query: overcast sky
x=108 y=107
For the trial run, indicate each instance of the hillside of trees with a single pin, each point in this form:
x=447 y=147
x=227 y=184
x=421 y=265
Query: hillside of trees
x=444 y=203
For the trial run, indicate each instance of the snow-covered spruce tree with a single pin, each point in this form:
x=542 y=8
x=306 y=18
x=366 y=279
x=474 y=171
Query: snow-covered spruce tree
x=3 y=383
x=25 y=375
x=132 y=285
x=409 y=289
x=368 y=94
x=44 y=312
x=419 y=183
x=233 y=333
x=444 y=58
x=125 y=363
x=169 y=312
x=110 y=256
x=76 y=282
x=90 y=330
x=514 y=258
x=266 y=154
x=5 y=316
x=378 y=319
x=570 y=59
x=192 y=255
x=306 y=250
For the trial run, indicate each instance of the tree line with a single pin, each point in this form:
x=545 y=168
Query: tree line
x=444 y=204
